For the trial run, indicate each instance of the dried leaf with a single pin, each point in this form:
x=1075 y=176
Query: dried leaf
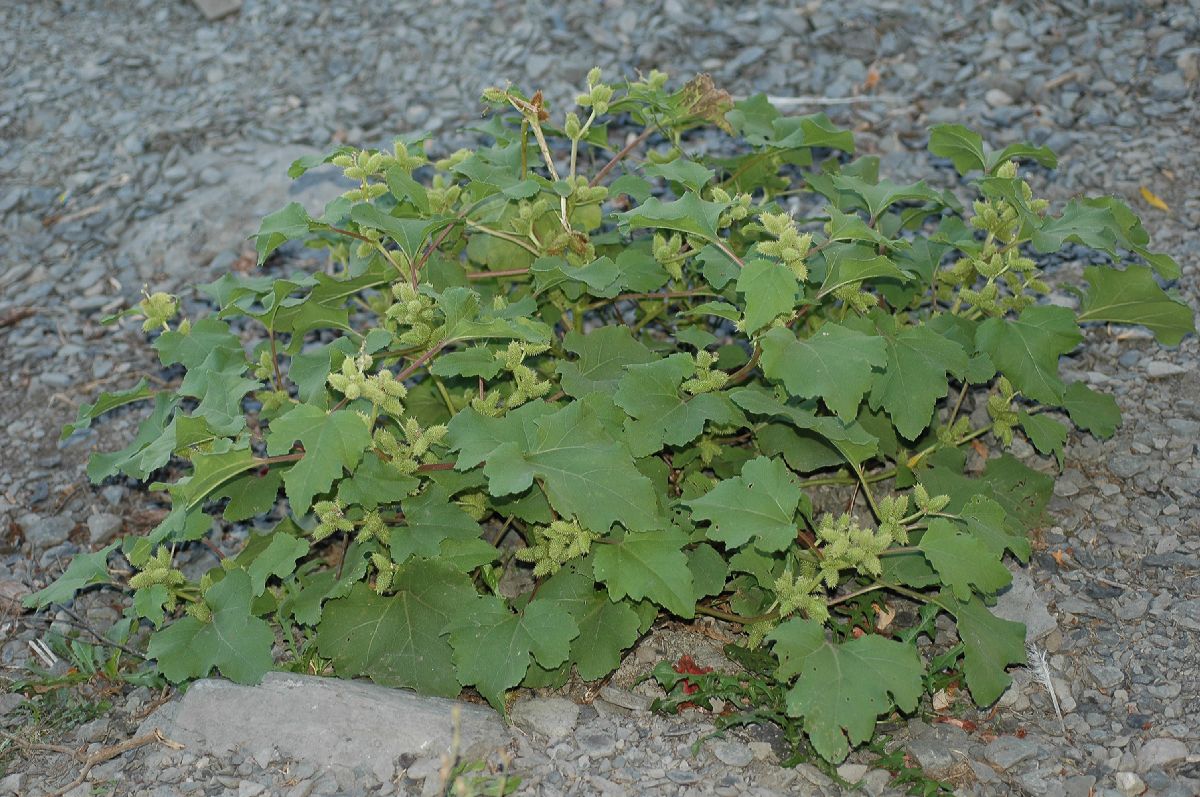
x=872 y=79
x=1153 y=200
x=883 y=616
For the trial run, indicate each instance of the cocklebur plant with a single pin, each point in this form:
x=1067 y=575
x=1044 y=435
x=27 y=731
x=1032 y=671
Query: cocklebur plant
x=735 y=386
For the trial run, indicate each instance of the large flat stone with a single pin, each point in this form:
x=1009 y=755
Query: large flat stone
x=175 y=246
x=328 y=722
x=1022 y=603
x=216 y=9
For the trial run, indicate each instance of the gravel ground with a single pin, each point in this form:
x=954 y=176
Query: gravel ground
x=140 y=144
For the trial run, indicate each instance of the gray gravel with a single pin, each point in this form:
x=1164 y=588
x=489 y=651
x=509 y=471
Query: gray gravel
x=140 y=144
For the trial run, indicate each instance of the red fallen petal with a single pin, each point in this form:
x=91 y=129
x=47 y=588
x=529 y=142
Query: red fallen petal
x=688 y=666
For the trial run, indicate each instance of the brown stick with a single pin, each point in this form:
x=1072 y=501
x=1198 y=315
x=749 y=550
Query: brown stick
x=620 y=156
x=48 y=748
x=17 y=315
x=112 y=751
x=432 y=247
x=424 y=358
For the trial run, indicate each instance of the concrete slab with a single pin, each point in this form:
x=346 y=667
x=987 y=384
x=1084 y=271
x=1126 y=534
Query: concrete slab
x=328 y=722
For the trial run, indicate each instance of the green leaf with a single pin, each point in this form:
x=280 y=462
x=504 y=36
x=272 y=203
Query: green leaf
x=689 y=214
x=1020 y=490
x=84 y=570
x=601 y=277
x=210 y=471
x=814 y=130
x=770 y=289
x=803 y=451
x=106 y=402
x=250 y=494
x=754 y=119
x=409 y=234
x=397 y=640
x=681 y=170
x=1022 y=151
x=149 y=602
x=718 y=309
x=850 y=227
x=1105 y=223
x=466 y=319
x=1026 y=350
x=962 y=560
x=375 y=483
x=834 y=363
x=878 y=197
x=205 y=337
x=1133 y=297
x=430 y=519
x=606 y=627
x=640 y=272
x=142 y=456
x=493 y=647
x=586 y=474
x=850 y=438
x=1094 y=412
x=220 y=393
x=911 y=569
x=277 y=559
x=234 y=640
x=717 y=267
x=918 y=361
x=280 y=227
x=603 y=355
x=306 y=162
x=649 y=565
x=477 y=361
x=991 y=646
x=659 y=414
x=987 y=521
x=709 y=570
x=759 y=505
x=333 y=443
x=1047 y=435
x=402 y=186
x=963 y=147
x=466 y=555
x=843 y=689
x=631 y=185
x=850 y=264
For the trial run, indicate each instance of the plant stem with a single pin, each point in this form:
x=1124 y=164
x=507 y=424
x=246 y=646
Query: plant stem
x=900 y=549
x=962 y=394
x=651 y=314
x=908 y=593
x=275 y=360
x=417 y=266
x=504 y=236
x=730 y=617
x=620 y=156
x=855 y=594
x=658 y=295
x=424 y=358
x=483 y=275
x=441 y=388
x=728 y=252
x=866 y=489
x=743 y=373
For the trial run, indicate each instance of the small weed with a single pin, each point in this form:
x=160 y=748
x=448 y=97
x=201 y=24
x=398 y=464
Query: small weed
x=905 y=774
